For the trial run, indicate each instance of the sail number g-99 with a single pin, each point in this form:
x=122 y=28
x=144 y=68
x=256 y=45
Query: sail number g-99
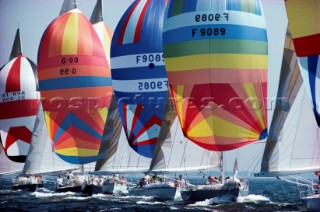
x=70 y=60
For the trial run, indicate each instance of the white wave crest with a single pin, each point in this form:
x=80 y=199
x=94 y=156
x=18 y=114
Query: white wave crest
x=98 y=195
x=120 y=190
x=140 y=197
x=252 y=198
x=215 y=200
x=149 y=203
x=78 y=198
x=49 y=194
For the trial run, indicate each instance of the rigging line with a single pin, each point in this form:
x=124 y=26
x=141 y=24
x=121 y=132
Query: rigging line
x=299 y=118
x=253 y=161
x=173 y=142
x=316 y=150
x=183 y=159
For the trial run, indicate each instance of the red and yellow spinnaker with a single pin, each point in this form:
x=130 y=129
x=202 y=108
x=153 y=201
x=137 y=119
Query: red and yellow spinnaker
x=75 y=85
x=304 y=23
x=216 y=56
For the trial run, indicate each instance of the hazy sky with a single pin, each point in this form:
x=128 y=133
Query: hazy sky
x=33 y=17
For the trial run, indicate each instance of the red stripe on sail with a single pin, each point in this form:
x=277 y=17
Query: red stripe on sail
x=85 y=60
x=307 y=46
x=219 y=147
x=135 y=119
x=153 y=121
x=139 y=25
x=17 y=109
x=18 y=133
x=146 y=142
x=13 y=79
x=123 y=30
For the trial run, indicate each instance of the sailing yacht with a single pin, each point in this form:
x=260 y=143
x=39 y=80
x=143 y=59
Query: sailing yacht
x=216 y=57
x=18 y=105
x=42 y=160
x=175 y=153
x=116 y=156
x=80 y=88
x=139 y=79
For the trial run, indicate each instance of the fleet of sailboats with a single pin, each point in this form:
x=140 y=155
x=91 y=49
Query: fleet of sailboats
x=157 y=97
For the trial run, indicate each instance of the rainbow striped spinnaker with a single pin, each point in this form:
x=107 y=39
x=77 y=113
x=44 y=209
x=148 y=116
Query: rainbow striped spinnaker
x=216 y=56
x=138 y=73
x=75 y=85
x=304 y=23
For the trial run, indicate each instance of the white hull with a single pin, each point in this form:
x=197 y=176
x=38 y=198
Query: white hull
x=163 y=193
x=312 y=202
x=110 y=188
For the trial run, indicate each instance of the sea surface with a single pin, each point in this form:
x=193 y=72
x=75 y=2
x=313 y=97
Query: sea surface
x=265 y=194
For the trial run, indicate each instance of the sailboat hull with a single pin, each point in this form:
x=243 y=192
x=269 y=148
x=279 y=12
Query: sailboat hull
x=86 y=189
x=109 y=188
x=192 y=196
x=312 y=203
x=69 y=189
x=28 y=187
x=162 y=193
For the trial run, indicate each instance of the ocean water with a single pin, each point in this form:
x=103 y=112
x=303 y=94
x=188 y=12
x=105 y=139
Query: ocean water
x=265 y=194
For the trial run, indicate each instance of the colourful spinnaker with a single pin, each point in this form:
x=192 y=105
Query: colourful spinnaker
x=138 y=73
x=75 y=85
x=18 y=104
x=216 y=56
x=304 y=23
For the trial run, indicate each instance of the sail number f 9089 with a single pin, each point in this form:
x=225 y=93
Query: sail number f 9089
x=209 y=31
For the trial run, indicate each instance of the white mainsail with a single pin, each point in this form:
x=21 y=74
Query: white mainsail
x=293 y=145
x=175 y=153
x=42 y=158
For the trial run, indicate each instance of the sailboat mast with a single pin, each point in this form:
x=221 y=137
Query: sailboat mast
x=223 y=167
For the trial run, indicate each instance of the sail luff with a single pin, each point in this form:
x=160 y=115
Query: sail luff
x=67 y=6
x=293 y=143
x=289 y=84
x=111 y=136
x=97 y=14
x=16 y=48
